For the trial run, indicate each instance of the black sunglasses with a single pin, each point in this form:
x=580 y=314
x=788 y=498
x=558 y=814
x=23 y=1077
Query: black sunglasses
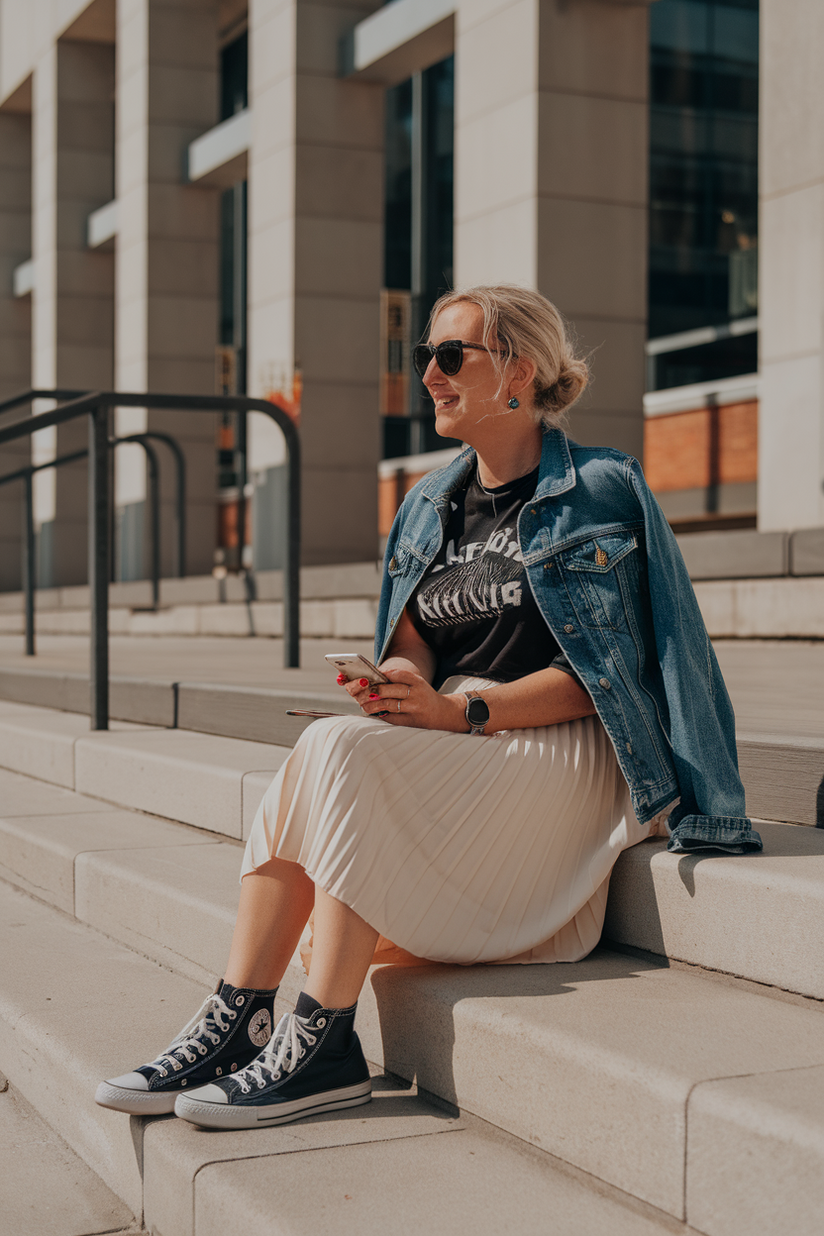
x=448 y=355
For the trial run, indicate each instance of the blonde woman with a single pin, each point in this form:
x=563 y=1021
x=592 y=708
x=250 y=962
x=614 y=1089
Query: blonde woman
x=553 y=699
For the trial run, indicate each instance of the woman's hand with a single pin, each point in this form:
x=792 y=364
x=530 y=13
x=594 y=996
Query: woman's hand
x=408 y=699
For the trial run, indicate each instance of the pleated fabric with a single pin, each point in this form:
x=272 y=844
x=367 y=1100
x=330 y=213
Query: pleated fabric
x=455 y=847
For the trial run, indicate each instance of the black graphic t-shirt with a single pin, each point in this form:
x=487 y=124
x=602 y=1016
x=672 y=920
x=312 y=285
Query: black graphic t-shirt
x=474 y=606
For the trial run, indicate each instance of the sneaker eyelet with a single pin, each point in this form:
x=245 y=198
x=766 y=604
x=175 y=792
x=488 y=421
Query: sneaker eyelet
x=234 y=1066
x=218 y=1072
x=320 y=1022
x=183 y=1081
x=239 y=1000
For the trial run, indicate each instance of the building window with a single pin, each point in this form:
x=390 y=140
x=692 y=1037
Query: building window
x=703 y=187
x=234 y=77
x=418 y=236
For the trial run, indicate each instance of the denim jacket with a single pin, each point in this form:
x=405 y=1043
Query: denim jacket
x=609 y=580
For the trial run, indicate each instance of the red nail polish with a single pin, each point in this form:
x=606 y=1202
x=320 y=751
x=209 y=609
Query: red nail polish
x=374 y=697
x=364 y=682
x=341 y=679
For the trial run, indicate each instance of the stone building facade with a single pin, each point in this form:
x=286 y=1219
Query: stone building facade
x=157 y=212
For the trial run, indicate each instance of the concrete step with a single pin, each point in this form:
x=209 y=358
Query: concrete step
x=781 y=772
x=256 y=713
x=74 y=1006
x=45 y=1188
x=472 y=1036
x=337 y=602
x=758 y=917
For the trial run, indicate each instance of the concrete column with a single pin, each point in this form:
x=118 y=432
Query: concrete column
x=551 y=179
x=72 y=325
x=315 y=263
x=791 y=245
x=167 y=258
x=15 y=321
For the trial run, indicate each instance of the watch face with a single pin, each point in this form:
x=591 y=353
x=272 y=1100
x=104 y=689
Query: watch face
x=477 y=711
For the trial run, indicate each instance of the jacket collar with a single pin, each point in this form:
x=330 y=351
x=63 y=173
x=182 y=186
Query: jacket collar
x=555 y=476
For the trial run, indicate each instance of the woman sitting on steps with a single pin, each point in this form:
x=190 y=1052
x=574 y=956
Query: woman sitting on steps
x=553 y=699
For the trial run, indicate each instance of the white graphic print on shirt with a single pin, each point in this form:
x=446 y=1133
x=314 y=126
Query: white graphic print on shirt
x=482 y=579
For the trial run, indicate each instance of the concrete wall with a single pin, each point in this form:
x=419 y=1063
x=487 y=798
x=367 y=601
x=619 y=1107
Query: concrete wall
x=791 y=244
x=15 y=319
x=316 y=264
x=167 y=252
x=551 y=179
x=72 y=321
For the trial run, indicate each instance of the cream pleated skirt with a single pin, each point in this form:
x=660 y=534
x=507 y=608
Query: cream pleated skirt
x=455 y=847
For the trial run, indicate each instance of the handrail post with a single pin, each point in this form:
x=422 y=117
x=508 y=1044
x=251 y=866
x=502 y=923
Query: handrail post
x=154 y=502
x=99 y=564
x=28 y=560
x=291 y=580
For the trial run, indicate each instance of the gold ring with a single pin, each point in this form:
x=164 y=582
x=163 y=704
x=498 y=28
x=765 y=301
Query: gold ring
x=408 y=692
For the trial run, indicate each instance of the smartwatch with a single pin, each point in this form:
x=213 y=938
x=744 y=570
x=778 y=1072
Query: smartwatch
x=477 y=712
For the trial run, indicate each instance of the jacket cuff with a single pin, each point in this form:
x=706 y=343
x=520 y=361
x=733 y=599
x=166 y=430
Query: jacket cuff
x=726 y=834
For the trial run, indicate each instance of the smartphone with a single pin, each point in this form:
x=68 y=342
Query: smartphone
x=353 y=665
x=308 y=712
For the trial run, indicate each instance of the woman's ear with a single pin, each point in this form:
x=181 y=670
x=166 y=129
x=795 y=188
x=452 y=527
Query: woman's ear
x=523 y=375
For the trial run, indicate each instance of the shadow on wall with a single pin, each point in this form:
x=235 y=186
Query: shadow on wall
x=819 y=806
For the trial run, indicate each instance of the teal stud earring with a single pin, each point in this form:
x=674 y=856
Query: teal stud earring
x=513 y=403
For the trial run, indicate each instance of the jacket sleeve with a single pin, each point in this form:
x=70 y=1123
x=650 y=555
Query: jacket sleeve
x=711 y=814
x=386 y=585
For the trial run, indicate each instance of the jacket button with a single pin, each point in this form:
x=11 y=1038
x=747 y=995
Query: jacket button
x=393 y=564
x=391 y=622
x=605 y=683
x=629 y=747
x=569 y=628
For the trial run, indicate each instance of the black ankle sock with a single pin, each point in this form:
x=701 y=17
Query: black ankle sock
x=306 y=1005
x=256 y=991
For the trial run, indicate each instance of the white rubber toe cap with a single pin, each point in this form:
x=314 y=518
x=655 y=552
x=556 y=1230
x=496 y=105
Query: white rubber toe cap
x=130 y=1081
x=208 y=1094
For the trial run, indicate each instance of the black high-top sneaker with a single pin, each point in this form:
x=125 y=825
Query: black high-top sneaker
x=312 y=1063
x=226 y=1032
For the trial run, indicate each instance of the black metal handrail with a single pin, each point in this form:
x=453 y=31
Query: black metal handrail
x=96 y=406
x=141 y=439
x=17 y=401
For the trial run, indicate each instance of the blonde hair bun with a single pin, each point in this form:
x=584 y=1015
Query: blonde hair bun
x=521 y=322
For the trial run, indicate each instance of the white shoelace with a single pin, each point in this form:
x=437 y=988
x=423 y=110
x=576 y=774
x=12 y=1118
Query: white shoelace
x=287 y=1046
x=190 y=1039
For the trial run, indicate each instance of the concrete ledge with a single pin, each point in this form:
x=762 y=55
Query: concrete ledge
x=781 y=776
x=166 y=902
x=142 y=700
x=193 y=778
x=552 y=1054
x=317 y=583
x=219 y=157
x=45 y=1189
x=735 y=555
x=757 y=916
x=762 y=609
x=258 y=714
x=755 y=1155
x=40 y=743
x=399 y=40
x=807 y=552
x=55 y=1056
x=39 y=854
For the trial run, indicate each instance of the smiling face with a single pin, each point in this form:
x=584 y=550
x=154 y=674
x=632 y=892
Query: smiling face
x=475 y=393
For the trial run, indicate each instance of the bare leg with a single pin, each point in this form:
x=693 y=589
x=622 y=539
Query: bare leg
x=275 y=902
x=341 y=953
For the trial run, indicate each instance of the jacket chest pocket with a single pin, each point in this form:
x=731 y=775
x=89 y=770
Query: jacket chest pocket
x=604 y=578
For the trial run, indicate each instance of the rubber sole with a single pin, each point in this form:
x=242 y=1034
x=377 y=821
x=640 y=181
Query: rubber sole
x=135 y=1102
x=240 y=1116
